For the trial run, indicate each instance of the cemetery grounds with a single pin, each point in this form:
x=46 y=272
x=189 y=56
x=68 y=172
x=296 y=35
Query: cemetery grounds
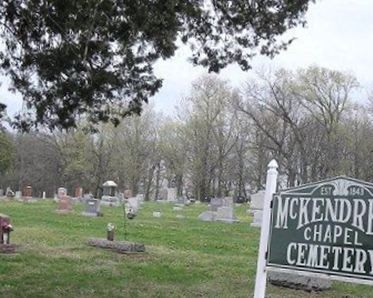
x=184 y=257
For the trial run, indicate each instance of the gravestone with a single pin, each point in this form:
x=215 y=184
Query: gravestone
x=227 y=202
x=27 y=192
x=127 y=193
x=157 y=214
x=183 y=201
x=109 y=197
x=215 y=203
x=109 y=188
x=171 y=194
x=134 y=204
x=1 y=192
x=162 y=195
x=44 y=195
x=92 y=207
x=210 y=215
x=140 y=197
x=87 y=196
x=226 y=214
x=256 y=208
x=64 y=205
x=18 y=194
x=5 y=229
x=9 y=193
x=78 y=192
x=61 y=192
x=221 y=209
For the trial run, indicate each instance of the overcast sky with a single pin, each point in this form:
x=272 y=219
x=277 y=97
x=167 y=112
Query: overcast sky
x=339 y=35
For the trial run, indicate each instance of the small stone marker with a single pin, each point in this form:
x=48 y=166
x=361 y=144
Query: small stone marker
x=176 y=208
x=157 y=214
x=92 y=207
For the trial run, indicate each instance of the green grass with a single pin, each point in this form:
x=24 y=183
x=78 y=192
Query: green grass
x=184 y=257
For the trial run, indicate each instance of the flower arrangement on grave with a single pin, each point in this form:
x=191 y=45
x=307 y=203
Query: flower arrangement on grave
x=6 y=228
x=131 y=213
x=110 y=231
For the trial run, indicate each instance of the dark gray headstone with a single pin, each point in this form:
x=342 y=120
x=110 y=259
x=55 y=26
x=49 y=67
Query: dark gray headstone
x=92 y=207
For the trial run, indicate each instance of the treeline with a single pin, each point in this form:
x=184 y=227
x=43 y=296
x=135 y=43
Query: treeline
x=218 y=144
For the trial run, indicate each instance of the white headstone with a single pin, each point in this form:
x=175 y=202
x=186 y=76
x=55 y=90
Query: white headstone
x=171 y=194
x=226 y=214
x=157 y=214
x=134 y=204
x=256 y=208
x=18 y=194
x=257 y=200
x=257 y=219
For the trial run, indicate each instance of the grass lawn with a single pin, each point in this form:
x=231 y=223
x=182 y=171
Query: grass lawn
x=184 y=257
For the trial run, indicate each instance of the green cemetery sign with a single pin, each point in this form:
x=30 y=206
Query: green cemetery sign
x=324 y=227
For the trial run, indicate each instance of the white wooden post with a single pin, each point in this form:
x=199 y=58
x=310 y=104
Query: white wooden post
x=261 y=273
